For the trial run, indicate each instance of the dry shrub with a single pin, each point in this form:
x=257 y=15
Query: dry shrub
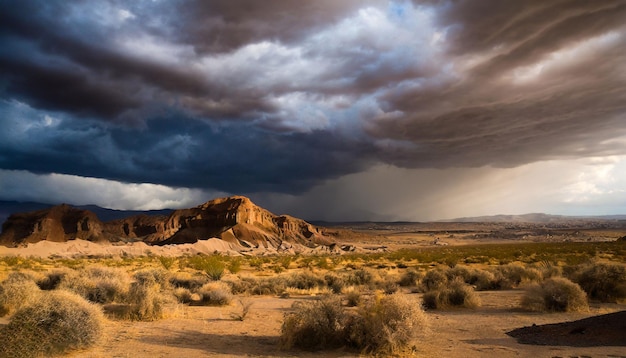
x=17 y=291
x=97 y=284
x=158 y=275
x=410 y=278
x=186 y=280
x=388 y=325
x=556 y=294
x=315 y=325
x=483 y=280
x=603 y=282
x=434 y=280
x=144 y=302
x=459 y=271
x=335 y=282
x=512 y=275
x=183 y=295
x=53 y=279
x=456 y=294
x=215 y=293
x=360 y=277
x=353 y=296
x=58 y=322
x=305 y=280
x=244 y=304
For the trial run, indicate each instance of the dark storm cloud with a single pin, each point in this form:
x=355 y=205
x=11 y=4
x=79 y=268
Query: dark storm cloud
x=282 y=95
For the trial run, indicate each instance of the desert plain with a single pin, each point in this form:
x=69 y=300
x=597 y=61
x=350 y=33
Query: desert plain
x=386 y=250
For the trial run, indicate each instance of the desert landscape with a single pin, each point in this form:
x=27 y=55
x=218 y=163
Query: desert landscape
x=231 y=279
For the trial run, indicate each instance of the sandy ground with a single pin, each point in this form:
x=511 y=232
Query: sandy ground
x=211 y=332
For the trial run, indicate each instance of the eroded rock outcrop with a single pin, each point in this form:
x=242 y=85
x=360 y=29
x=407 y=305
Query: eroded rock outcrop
x=58 y=223
x=236 y=220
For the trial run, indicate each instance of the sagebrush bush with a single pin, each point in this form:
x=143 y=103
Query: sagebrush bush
x=462 y=272
x=410 y=278
x=555 y=294
x=483 y=280
x=388 y=325
x=52 y=279
x=512 y=275
x=434 y=280
x=144 y=302
x=17 y=291
x=157 y=275
x=315 y=325
x=353 y=296
x=456 y=294
x=186 y=280
x=97 y=284
x=360 y=277
x=183 y=295
x=305 y=280
x=602 y=281
x=58 y=322
x=335 y=282
x=215 y=293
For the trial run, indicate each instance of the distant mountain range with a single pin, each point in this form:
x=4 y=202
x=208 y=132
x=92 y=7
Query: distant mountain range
x=536 y=218
x=13 y=207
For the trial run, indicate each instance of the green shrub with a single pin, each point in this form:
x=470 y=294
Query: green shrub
x=556 y=294
x=603 y=282
x=58 y=322
x=167 y=262
x=17 y=291
x=213 y=266
x=234 y=265
x=388 y=325
x=456 y=294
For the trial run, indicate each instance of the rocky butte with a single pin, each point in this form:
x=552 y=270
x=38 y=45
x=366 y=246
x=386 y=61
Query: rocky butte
x=236 y=220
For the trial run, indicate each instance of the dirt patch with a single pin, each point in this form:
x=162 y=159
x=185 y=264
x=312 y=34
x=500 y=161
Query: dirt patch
x=604 y=330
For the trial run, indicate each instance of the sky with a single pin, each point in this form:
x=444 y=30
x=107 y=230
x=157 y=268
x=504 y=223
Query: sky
x=326 y=110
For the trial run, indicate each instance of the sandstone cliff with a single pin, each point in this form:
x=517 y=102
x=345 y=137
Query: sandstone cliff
x=235 y=220
x=58 y=223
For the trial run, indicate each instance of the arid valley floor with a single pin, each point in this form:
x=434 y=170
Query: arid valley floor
x=388 y=251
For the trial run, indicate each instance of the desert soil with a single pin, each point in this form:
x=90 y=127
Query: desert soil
x=211 y=332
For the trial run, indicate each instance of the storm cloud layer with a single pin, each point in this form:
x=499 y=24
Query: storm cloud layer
x=283 y=96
